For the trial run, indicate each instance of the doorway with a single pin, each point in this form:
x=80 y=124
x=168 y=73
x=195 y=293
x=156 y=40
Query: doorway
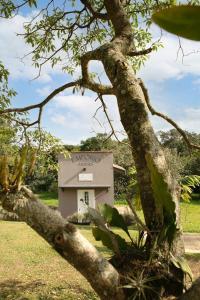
x=86 y=198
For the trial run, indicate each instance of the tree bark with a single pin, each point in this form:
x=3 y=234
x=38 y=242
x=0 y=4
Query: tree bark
x=68 y=241
x=159 y=191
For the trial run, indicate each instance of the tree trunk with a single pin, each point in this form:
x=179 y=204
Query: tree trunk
x=159 y=190
x=67 y=240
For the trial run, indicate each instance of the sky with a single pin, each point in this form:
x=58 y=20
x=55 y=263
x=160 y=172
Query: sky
x=173 y=82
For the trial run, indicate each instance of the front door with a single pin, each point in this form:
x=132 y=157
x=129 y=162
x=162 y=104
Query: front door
x=86 y=198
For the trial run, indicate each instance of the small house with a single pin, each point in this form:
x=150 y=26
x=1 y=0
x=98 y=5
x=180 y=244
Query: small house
x=85 y=179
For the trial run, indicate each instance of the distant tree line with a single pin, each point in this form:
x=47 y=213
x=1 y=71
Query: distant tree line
x=43 y=176
x=182 y=161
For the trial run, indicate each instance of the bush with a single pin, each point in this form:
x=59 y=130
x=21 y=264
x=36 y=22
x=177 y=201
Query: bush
x=53 y=187
x=195 y=196
x=78 y=218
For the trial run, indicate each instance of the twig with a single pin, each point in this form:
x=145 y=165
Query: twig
x=166 y=118
x=142 y=225
x=44 y=102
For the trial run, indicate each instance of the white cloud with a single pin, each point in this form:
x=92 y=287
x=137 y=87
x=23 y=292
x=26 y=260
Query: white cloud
x=190 y=120
x=13 y=49
x=77 y=103
x=76 y=113
x=44 y=91
x=59 y=119
x=164 y=63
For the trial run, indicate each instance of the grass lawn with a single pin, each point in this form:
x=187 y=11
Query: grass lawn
x=31 y=270
x=49 y=198
x=190 y=216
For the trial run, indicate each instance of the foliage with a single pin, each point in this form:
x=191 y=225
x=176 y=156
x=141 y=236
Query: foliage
x=34 y=162
x=12 y=170
x=42 y=168
x=78 y=218
x=164 y=203
x=133 y=188
x=54 y=24
x=103 y=218
x=140 y=286
x=142 y=283
x=173 y=140
x=5 y=92
x=179 y=159
x=188 y=183
x=99 y=142
x=20 y=243
x=113 y=217
x=55 y=33
x=181 y=263
x=183 y=20
x=192 y=165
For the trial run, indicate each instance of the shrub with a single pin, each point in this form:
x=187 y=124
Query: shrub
x=78 y=218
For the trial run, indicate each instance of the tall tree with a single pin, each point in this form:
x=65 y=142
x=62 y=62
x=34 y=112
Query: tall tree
x=111 y=28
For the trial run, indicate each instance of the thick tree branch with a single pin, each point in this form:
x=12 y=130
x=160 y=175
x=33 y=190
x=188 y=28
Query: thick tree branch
x=87 y=81
x=166 y=118
x=119 y=18
x=67 y=240
x=96 y=14
x=42 y=103
x=141 y=52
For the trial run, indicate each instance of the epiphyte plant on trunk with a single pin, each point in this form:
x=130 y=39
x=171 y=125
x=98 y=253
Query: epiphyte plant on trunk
x=112 y=29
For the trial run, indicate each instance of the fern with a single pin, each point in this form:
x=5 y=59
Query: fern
x=188 y=183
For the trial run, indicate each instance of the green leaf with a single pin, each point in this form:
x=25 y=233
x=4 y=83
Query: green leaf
x=163 y=197
x=182 y=264
x=107 y=239
x=102 y=232
x=101 y=235
x=113 y=217
x=183 y=20
x=187 y=185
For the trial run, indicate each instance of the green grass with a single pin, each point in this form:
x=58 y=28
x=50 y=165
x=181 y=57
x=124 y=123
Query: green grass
x=48 y=198
x=190 y=216
x=31 y=270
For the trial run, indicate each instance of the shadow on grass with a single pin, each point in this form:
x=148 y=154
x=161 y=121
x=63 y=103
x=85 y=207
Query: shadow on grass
x=38 y=290
x=14 y=289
